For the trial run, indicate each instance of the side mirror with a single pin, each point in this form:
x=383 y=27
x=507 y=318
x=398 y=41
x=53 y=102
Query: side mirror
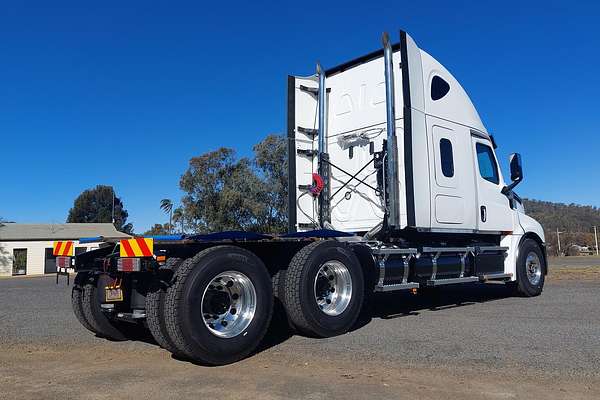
x=516 y=173
x=516 y=167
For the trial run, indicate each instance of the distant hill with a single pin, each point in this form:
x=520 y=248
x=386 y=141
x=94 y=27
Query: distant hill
x=576 y=221
x=565 y=217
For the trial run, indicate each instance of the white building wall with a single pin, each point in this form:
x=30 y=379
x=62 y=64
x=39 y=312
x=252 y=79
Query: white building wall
x=36 y=254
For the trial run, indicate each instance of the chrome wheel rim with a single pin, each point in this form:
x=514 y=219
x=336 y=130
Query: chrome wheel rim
x=228 y=304
x=533 y=267
x=333 y=287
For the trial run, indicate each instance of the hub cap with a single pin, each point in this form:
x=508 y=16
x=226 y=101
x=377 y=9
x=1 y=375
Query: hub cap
x=533 y=266
x=228 y=304
x=333 y=288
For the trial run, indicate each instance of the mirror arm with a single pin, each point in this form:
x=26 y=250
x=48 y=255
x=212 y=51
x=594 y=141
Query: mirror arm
x=511 y=186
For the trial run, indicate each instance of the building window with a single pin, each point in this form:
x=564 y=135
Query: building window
x=446 y=158
x=487 y=163
x=439 y=88
x=19 y=261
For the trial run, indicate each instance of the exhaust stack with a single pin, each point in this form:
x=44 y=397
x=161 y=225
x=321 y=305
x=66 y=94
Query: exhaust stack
x=393 y=202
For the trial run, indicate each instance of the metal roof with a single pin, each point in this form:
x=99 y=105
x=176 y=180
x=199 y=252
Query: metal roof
x=71 y=231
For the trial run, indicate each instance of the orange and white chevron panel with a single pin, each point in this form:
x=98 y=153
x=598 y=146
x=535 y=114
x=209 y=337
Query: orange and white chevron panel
x=137 y=247
x=63 y=248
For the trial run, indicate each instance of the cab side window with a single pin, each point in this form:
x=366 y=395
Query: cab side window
x=439 y=88
x=487 y=163
x=446 y=158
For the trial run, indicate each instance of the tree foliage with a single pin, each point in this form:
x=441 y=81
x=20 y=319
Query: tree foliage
x=179 y=218
x=157 y=229
x=167 y=206
x=96 y=205
x=270 y=157
x=223 y=192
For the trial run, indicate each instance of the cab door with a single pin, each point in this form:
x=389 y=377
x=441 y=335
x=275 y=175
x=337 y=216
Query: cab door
x=451 y=176
x=493 y=212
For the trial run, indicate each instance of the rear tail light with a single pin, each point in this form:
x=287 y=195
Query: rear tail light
x=129 y=264
x=63 y=262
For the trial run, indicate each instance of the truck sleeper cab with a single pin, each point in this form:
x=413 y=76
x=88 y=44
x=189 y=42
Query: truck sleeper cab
x=394 y=185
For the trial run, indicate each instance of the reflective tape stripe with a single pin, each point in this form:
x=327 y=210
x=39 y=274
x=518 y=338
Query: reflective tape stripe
x=57 y=246
x=138 y=247
x=126 y=250
x=67 y=249
x=135 y=248
x=62 y=248
x=144 y=246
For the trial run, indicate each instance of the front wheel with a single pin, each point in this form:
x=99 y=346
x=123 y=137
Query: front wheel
x=531 y=269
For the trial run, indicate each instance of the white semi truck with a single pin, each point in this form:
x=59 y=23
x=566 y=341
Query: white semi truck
x=393 y=185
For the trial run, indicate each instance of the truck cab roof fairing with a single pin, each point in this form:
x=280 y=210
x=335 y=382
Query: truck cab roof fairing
x=455 y=106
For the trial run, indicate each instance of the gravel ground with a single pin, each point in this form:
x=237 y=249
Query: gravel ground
x=468 y=342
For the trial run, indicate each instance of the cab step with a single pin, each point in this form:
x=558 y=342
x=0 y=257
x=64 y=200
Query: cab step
x=397 y=286
x=451 y=281
x=495 y=277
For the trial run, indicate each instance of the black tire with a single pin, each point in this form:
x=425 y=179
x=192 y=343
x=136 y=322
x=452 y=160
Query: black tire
x=155 y=304
x=280 y=314
x=101 y=324
x=299 y=293
x=523 y=286
x=277 y=281
x=184 y=320
x=77 y=300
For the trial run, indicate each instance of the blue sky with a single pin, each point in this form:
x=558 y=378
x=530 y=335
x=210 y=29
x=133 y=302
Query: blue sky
x=104 y=93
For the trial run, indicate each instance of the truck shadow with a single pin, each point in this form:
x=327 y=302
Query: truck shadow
x=405 y=304
x=398 y=305
x=394 y=305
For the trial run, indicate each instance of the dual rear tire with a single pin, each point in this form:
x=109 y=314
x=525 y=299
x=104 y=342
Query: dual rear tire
x=155 y=305
x=86 y=299
x=219 y=306
x=220 y=303
x=323 y=289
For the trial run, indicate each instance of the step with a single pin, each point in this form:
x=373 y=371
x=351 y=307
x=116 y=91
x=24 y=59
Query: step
x=492 y=277
x=398 y=286
x=451 y=281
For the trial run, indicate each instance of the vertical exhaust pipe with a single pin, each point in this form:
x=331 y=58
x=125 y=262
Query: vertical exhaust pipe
x=392 y=182
x=322 y=110
x=324 y=168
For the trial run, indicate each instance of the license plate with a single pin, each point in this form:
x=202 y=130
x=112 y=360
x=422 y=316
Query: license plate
x=113 y=294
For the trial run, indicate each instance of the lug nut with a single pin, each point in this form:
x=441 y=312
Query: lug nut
x=330 y=277
x=230 y=284
x=328 y=301
x=233 y=311
x=332 y=289
x=235 y=296
x=224 y=323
